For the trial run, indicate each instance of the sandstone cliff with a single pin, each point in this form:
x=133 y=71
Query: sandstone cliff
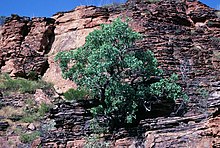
x=24 y=45
x=183 y=34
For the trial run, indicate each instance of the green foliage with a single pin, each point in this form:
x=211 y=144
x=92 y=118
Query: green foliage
x=116 y=72
x=30 y=118
x=152 y=1
x=95 y=142
x=204 y=93
x=167 y=88
x=29 y=137
x=35 y=113
x=49 y=125
x=73 y=94
x=215 y=41
x=43 y=109
x=2 y=20
x=21 y=85
x=96 y=127
x=30 y=102
x=95 y=139
x=113 y=4
x=202 y=100
x=32 y=75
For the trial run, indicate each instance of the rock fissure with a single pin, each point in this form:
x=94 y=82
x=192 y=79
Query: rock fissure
x=25 y=44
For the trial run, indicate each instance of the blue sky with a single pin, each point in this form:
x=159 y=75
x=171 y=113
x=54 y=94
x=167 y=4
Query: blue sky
x=47 y=8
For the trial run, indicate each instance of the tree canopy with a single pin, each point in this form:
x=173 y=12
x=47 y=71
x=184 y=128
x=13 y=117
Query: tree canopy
x=115 y=71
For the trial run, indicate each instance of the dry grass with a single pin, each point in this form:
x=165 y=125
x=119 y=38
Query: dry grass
x=9 y=111
x=217 y=14
x=217 y=54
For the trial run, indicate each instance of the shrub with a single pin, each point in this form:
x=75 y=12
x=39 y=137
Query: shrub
x=22 y=85
x=29 y=137
x=167 y=88
x=94 y=141
x=43 y=109
x=35 y=113
x=117 y=73
x=73 y=94
x=2 y=20
x=202 y=99
x=48 y=126
x=32 y=75
x=30 y=118
x=215 y=41
x=152 y=1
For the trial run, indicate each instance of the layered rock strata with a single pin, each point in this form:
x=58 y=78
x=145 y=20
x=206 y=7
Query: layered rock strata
x=184 y=35
x=24 y=43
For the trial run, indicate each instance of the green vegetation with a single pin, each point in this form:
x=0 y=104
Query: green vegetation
x=43 y=109
x=202 y=100
x=167 y=88
x=113 y=4
x=35 y=113
x=97 y=128
x=2 y=20
x=30 y=118
x=117 y=73
x=30 y=112
x=204 y=93
x=21 y=85
x=215 y=41
x=32 y=75
x=94 y=141
x=152 y=1
x=29 y=137
x=73 y=94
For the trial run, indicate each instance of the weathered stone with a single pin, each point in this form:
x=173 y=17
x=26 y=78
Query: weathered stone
x=31 y=126
x=36 y=143
x=14 y=141
x=41 y=97
x=4 y=142
x=51 y=144
x=126 y=142
x=71 y=29
x=24 y=43
x=184 y=42
x=76 y=143
x=188 y=135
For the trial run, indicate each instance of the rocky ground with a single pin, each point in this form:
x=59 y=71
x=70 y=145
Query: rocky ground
x=24 y=106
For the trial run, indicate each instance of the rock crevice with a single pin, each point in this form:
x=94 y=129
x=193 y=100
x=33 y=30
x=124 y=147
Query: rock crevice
x=24 y=45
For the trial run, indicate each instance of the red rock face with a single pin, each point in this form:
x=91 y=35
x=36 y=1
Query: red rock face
x=70 y=32
x=23 y=45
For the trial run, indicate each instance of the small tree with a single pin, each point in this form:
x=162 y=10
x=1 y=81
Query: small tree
x=121 y=76
x=2 y=20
